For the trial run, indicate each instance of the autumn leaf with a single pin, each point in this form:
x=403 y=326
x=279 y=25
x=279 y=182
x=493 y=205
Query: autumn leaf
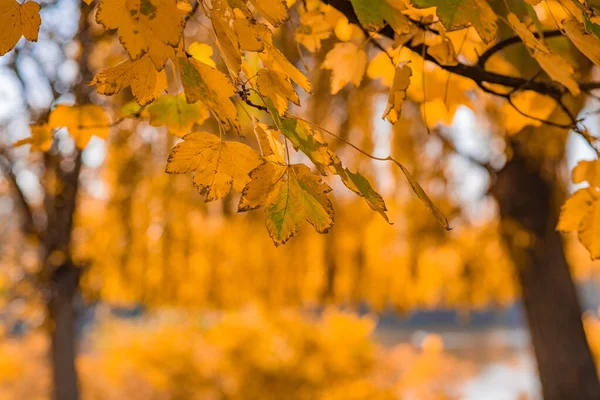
x=278 y=88
x=274 y=60
x=290 y=195
x=587 y=43
x=443 y=52
x=553 y=64
x=305 y=139
x=458 y=14
x=251 y=34
x=212 y=87
x=227 y=41
x=362 y=187
x=217 y=165
x=18 y=20
x=347 y=63
x=177 y=114
x=40 y=139
x=274 y=11
x=270 y=146
x=397 y=92
x=312 y=30
x=587 y=171
x=375 y=14
x=144 y=26
x=145 y=81
x=202 y=52
x=581 y=213
x=82 y=122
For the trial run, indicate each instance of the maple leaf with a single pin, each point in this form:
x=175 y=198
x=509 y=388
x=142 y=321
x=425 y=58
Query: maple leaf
x=312 y=30
x=144 y=26
x=278 y=88
x=227 y=41
x=290 y=195
x=274 y=11
x=587 y=43
x=347 y=63
x=458 y=14
x=397 y=92
x=304 y=139
x=362 y=187
x=202 y=52
x=587 y=171
x=581 y=213
x=40 y=139
x=553 y=64
x=146 y=82
x=270 y=146
x=212 y=87
x=376 y=14
x=250 y=34
x=82 y=122
x=218 y=165
x=177 y=114
x=18 y=20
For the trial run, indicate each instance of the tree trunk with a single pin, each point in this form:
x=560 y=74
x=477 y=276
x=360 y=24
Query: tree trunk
x=64 y=290
x=527 y=203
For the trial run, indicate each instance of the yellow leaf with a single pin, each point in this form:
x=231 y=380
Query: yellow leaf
x=443 y=52
x=250 y=34
x=270 y=146
x=146 y=82
x=343 y=29
x=18 y=20
x=274 y=11
x=40 y=139
x=278 y=88
x=553 y=64
x=587 y=171
x=212 y=87
x=82 y=121
x=313 y=29
x=381 y=67
x=202 y=52
x=274 y=60
x=397 y=92
x=290 y=195
x=581 y=213
x=144 y=26
x=347 y=63
x=227 y=40
x=218 y=166
x=574 y=209
x=177 y=114
x=587 y=43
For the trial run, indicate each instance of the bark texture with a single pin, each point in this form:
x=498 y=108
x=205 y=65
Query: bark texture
x=528 y=203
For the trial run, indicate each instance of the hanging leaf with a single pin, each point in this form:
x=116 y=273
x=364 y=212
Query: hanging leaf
x=82 y=122
x=177 y=114
x=144 y=26
x=18 y=20
x=40 y=139
x=347 y=63
x=397 y=92
x=278 y=88
x=290 y=195
x=146 y=82
x=217 y=165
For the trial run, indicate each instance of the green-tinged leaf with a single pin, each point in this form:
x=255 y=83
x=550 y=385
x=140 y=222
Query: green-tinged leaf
x=376 y=14
x=458 y=14
x=177 y=114
x=290 y=195
x=362 y=187
x=209 y=85
x=424 y=198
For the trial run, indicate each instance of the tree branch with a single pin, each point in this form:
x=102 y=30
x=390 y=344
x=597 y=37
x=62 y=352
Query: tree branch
x=476 y=72
x=28 y=222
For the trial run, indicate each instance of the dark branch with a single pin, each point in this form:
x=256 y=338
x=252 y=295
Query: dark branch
x=476 y=72
x=6 y=165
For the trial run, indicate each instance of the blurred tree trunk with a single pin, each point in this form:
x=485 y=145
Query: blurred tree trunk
x=529 y=202
x=61 y=272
